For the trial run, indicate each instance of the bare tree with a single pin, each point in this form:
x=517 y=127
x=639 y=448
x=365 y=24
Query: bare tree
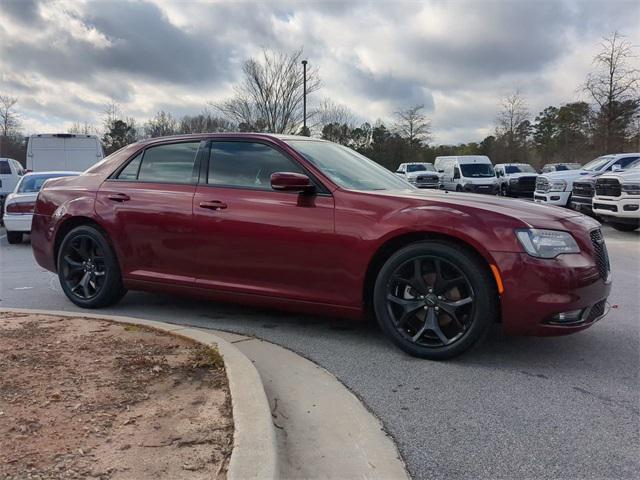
x=9 y=119
x=269 y=98
x=204 y=122
x=613 y=86
x=161 y=125
x=514 y=112
x=85 y=128
x=413 y=125
x=330 y=112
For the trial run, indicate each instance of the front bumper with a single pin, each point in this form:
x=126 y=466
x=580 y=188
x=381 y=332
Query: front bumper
x=621 y=207
x=552 y=198
x=536 y=290
x=491 y=189
x=582 y=204
x=17 y=223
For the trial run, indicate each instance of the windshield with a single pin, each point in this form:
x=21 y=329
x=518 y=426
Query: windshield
x=519 y=169
x=348 y=169
x=33 y=183
x=477 y=170
x=597 y=164
x=420 y=167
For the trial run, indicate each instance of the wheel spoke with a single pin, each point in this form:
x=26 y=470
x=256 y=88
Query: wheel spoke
x=409 y=307
x=429 y=319
x=73 y=265
x=417 y=281
x=434 y=326
x=443 y=286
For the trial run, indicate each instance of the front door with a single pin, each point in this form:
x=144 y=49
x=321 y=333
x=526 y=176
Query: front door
x=148 y=208
x=253 y=239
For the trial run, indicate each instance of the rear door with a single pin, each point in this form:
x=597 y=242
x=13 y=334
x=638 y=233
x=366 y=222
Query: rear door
x=147 y=210
x=250 y=238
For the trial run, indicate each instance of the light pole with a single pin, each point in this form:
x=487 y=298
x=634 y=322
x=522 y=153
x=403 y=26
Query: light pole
x=304 y=98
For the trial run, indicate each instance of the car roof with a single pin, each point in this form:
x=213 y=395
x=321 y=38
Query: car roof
x=240 y=135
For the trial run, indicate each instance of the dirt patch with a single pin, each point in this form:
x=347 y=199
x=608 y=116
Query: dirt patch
x=93 y=399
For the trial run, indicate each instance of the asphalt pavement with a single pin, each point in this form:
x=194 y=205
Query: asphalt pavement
x=565 y=407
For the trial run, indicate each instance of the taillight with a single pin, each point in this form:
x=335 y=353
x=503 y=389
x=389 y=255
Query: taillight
x=21 y=207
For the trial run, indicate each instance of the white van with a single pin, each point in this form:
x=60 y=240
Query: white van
x=63 y=151
x=467 y=173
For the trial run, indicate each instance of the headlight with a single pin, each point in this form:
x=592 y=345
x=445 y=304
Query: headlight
x=631 y=188
x=547 y=243
x=558 y=186
x=513 y=180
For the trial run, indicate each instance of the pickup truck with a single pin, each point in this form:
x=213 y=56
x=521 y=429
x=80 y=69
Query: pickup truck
x=617 y=199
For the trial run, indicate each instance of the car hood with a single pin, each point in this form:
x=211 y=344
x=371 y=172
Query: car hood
x=416 y=174
x=529 y=212
x=629 y=176
x=568 y=174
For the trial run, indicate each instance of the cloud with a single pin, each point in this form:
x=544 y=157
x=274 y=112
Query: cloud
x=65 y=59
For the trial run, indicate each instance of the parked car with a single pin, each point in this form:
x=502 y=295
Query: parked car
x=467 y=173
x=63 y=151
x=516 y=179
x=555 y=188
x=422 y=175
x=19 y=205
x=617 y=198
x=307 y=225
x=10 y=173
x=559 y=167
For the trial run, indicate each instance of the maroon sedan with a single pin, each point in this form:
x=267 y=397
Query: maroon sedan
x=308 y=225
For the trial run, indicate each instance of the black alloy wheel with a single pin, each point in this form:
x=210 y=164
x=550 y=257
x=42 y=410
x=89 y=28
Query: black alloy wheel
x=435 y=300
x=87 y=268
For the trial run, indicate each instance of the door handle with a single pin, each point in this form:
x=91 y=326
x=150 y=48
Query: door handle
x=118 y=197
x=213 y=205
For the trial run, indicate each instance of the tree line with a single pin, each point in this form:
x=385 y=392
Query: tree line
x=269 y=98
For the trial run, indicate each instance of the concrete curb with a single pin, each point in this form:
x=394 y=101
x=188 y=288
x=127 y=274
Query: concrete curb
x=255 y=454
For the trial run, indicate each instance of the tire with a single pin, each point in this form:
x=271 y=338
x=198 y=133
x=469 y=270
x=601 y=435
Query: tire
x=14 y=237
x=86 y=253
x=449 y=337
x=458 y=188
x=503 y=191
x=624 y=227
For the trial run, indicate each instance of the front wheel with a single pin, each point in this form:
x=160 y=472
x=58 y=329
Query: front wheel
x=14 y=237
x=88 y=270
x=625 y=227
x=435 y=300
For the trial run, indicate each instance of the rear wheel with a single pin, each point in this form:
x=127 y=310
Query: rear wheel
x=14 y=237
x=88 y=269
x=625 y=227
x=435 y=300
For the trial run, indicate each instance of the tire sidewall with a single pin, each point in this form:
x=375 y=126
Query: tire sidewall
x=112 y=281
x=485 y=297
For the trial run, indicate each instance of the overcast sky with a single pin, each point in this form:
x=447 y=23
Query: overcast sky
x=65 y=60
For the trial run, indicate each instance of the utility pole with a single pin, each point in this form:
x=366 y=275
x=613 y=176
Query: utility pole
x=304 y=98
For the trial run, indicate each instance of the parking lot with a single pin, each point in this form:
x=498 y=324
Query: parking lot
x=564 y=407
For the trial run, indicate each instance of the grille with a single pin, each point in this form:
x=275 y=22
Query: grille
x=600 y=254
x=542 y=184
x=527 y=183
x=596 y=311
x=583 y=189
x=608 y=187
x=427 y=179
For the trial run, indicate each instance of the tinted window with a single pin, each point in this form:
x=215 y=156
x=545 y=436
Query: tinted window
x=33 y=183
x=477 y=170
x=246 y=164
x=626 y=162
x=169 y=163
x=561 y=168
x=416 y=168
x=130 y=172
x=519 y=168
x=5 y=168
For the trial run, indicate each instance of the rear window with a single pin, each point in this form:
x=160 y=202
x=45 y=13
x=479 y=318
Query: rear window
x=33 y=183
x=5 y=168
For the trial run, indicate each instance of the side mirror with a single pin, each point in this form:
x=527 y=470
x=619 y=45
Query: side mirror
x=291 y=182
x=616 y=168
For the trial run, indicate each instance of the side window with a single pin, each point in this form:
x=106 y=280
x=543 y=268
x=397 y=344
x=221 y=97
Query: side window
x=624 y=162
x=247 y=164
x=171 y=163
x=130 y=172
x=456 y=173
x=5 y=168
